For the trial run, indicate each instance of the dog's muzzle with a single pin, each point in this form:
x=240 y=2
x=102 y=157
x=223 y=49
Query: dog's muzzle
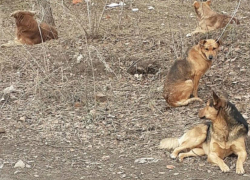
x=210 y=57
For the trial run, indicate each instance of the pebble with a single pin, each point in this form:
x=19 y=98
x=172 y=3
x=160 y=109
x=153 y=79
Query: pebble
x=2 y=130
x=146 y=160
x=19 y=164
x=22 y=119
x=175 y=174
x=170 y=166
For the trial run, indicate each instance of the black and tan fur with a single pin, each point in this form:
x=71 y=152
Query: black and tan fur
x=210 y=20
x=224 y=135
x=183 y=78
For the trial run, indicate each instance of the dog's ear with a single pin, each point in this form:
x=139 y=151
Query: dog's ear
x=14 y=14
x=219 y=42
x=218 y=102
x=32 y=13
x=208 y=2
x=202 y=42
x=196 y=4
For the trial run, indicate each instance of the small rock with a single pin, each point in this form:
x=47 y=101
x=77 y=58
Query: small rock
x=93 y=112
x=246 y=117
x=151 y=7
x=19 y=164
x=28 y=166
x=36 y=175
x=138 y=76
x=22 y=119
x=105 y=158
x=16 y=172
x=237 y=97
x=175 y=174
x=101 y=97
x=202 y=164
x=79 y=58
x=123 y=176
x=9 y=90
x=170 y=166
x=2 y=130
x=146 y=160
x=161 y=172
x=208 y=171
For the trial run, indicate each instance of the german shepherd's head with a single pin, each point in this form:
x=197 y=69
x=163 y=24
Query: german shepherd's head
x=23 y=17
x=209 y=48
x=221 y=109
x=202 y=8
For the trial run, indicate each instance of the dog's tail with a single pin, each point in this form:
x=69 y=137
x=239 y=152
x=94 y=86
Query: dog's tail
x=235 y=21
x=169 y=143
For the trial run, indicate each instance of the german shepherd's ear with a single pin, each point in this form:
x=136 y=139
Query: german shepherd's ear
x=208 y=2
x=202 y=42
x=196 y=4
x=217 y=101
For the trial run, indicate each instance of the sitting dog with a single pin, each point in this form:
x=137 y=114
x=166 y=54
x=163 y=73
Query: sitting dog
x=208 y=19
x=28 y=31
x=224 y=135
x=183 y=78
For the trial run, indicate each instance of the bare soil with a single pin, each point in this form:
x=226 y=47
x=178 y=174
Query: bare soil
x=61 y=130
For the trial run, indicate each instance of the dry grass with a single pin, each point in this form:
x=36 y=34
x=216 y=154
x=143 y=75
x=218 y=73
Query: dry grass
x=55 y=77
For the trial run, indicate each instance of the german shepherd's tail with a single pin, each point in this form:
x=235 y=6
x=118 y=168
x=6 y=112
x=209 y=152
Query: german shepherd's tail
x=235 y=21
x=169 y=143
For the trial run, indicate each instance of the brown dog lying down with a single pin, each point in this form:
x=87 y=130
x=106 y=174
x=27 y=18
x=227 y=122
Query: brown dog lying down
x=183 y=78
x=224 y=135
x=29 y=32
x=208 y=19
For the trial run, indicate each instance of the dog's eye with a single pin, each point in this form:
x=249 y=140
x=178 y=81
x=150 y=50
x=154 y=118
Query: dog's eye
x=206 y=49
x=214 y=48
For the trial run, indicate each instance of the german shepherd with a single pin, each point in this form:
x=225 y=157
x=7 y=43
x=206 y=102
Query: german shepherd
x=224 y=135
x=28 y=31
x=208 y=19
x=183 y=78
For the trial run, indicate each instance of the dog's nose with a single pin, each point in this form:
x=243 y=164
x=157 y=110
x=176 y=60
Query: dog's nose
x=210 y=57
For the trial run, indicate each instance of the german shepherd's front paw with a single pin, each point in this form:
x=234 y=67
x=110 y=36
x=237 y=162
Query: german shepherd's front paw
x=181 y=157
x=224 y=168
x=173 y=156
x=240 y=170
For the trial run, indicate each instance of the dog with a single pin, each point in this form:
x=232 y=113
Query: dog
x=183 y=78
x=223 y=136
x=28 y=31
x=210 y=20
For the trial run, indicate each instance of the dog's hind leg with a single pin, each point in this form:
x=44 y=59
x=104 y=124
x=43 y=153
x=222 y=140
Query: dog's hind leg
x=191 y=139
x=182 y=92
x=193 y=152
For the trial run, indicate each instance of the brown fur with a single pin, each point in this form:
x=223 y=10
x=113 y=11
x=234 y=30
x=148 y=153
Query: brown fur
x=208 y=19
x=183 y=78
x=225 y=135
x=28 y=32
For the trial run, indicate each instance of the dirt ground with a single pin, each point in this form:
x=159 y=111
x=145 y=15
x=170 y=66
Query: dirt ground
x=81 y=110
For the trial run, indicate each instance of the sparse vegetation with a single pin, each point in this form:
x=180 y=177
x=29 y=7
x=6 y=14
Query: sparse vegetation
x=76 y=112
